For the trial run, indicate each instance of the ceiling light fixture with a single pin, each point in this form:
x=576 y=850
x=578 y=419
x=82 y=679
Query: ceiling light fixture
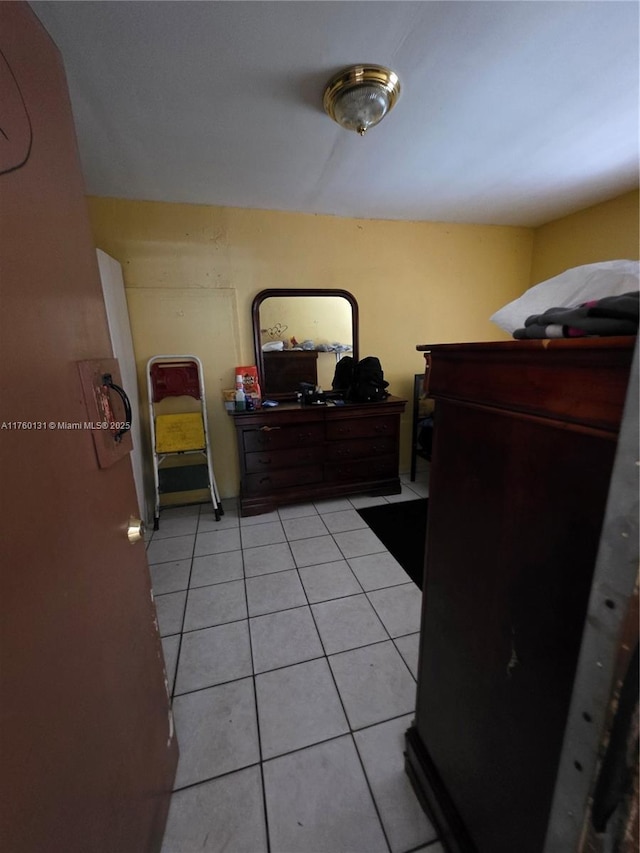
x=360 y=96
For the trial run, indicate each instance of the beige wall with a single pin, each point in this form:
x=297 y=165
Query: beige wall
x=604 y=232
x=415 y=283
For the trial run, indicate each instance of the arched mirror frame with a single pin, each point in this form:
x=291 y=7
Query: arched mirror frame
x=299 y=292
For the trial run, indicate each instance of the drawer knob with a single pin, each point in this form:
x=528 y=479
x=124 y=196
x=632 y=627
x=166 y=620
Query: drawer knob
x=268 y=428
x=381 y=428
x=265 y=461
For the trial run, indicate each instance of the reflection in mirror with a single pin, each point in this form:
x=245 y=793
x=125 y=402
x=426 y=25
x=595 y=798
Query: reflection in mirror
x=299 y=336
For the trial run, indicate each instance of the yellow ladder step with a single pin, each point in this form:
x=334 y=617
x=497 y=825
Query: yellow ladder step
x=181 y=432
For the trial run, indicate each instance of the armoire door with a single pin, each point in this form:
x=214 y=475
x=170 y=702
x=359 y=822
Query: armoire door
x=514 y=523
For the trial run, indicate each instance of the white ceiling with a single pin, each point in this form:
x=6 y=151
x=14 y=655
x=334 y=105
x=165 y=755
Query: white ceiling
x=511 y=112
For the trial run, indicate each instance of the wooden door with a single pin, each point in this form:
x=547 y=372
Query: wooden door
x=87 y=747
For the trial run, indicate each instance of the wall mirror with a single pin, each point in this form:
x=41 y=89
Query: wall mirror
x=300 y=335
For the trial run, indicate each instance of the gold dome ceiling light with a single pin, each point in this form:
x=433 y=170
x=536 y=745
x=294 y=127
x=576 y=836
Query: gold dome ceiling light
x=360 y=96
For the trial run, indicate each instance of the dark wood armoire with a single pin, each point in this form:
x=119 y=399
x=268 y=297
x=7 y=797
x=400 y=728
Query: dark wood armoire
x=524 y=442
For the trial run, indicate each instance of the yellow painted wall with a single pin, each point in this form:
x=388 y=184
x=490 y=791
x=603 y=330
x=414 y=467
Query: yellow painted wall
x=604 y=232
x=415 y=283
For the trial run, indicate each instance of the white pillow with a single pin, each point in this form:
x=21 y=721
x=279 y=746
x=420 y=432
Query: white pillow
x=570 y=288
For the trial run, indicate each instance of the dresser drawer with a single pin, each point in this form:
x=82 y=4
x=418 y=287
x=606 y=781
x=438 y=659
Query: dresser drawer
x=296 y=453
x=362 y=470
x=280 y=438
x=273 y=460
x=268 y=481
x=362 y=427
x=360 y=448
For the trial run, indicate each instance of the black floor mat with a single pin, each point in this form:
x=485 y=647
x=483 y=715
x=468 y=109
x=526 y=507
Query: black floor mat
x=402 y=528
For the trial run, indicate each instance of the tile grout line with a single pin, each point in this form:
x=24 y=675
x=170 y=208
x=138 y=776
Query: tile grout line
x=294 y=607
x=346 y=716
x=255 y=702
x=184 y=610
x=293 y=751
x=297 y=663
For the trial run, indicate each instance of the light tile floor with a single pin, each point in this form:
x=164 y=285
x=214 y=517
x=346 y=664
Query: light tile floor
x=291 y=643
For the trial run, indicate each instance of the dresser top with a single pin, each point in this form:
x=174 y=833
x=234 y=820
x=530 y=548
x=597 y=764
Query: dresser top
x=353 y=408
x=535 y=346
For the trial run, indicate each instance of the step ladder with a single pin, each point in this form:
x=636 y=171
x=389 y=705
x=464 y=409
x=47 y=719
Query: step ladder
x=179 y=432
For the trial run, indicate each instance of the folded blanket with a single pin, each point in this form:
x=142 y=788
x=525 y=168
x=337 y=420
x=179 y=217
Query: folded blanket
x=612 y=315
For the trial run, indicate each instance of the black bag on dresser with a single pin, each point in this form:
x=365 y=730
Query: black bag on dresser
x=343 y=375
x=368 y=384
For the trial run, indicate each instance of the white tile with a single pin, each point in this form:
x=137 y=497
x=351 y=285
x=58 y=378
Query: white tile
x=311 y=552
x=333 y=505
x=168 y=550
x=176 y=526
x=304 y=528
x=282 y=639
x=268 y=559
x=269 y=593
x=217 y=542
x=381 y=749
x=409 y=648
x=421 y=489
x=216 y=568
x=217 y=731
x=297 y=511
x=356 y=543
x=208 y=523
x=399 y=608
x=347 y=519
x=170 y=646
x=258 y=535
x=374 y=684
x=170 y=611
x=213 y=655
x=408 y=493
x=221 y=816
x=170 y=577
x=298 y=706
x=328 y=580
x=318 y=802
x=260 y=519
x=376 y=571
x=360 y=501
x=215 y=605
x=347 y=623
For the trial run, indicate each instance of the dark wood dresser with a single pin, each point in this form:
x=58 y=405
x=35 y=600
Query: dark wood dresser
x=298 y=453
x=524 y=441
